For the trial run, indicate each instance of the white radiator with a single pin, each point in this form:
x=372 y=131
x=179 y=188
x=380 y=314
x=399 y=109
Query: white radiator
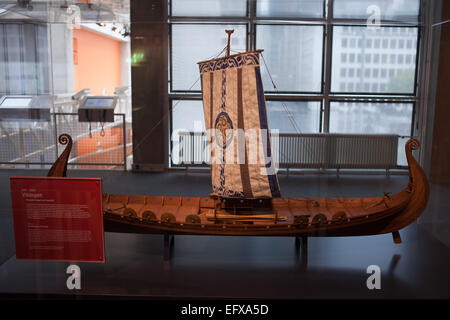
x=192 y=149
x=319 y=150
x=327 y=150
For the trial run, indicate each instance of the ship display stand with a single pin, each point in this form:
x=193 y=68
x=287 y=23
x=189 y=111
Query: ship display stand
x=246 y=199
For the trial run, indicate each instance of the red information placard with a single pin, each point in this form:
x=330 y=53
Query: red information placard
x=58 y=218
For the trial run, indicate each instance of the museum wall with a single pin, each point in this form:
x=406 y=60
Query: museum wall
x=440 y=157
x=97 y=62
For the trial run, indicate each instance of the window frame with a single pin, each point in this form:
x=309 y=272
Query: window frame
x=170 y=127
x=413 y=102
x=363 y=93
x=323 y=57
x=171 y=90
x=320 y=101
x=325 y=96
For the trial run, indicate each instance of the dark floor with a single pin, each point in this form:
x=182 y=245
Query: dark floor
x=246 y=267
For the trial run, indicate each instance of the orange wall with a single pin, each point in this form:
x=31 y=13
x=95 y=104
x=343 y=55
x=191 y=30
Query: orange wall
x=98 y=60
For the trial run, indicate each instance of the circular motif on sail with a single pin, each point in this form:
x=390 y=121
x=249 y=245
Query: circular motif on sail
x=224 y=130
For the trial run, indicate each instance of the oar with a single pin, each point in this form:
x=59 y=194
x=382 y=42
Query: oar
x=223 y=216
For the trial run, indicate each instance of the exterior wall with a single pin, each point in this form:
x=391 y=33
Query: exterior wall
x=98 y=66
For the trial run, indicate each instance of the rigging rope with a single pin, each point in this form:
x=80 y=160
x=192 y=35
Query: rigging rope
x=286 y=109
x=135 y=146
x=296 y=127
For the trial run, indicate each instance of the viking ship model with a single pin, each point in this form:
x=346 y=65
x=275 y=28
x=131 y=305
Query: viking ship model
x=246 y=198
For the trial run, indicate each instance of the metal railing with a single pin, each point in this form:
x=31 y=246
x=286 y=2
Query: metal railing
x=95 y=145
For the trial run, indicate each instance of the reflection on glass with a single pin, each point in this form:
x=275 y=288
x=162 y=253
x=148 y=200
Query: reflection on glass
x=290 y=8
x=65 y=12
x=192 y=43
x=44 y=51
x=380 y=118
x=380 y=66
x=10 y=102
x=98 y=102
x=24 y=66
x=211 y=8
x=293 y=54
x=294 y=117
x=398 y=10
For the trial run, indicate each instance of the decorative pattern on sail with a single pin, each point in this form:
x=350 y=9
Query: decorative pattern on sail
x=237 y=126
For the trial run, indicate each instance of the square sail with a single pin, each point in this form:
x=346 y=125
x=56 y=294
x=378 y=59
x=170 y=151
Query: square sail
x=237 y=127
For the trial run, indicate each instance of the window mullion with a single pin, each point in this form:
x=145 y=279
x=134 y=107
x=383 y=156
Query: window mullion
x=327 y=68
x=251 y=25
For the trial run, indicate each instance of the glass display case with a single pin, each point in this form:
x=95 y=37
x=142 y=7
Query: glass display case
x=109 y=188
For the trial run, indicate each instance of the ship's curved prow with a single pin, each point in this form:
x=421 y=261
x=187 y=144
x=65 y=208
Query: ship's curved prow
x=414 y=198
x=419 y=188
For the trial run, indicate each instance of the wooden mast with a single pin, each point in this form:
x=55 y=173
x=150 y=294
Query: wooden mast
x=229 y=32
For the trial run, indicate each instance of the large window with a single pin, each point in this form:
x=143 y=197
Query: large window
x=366 y=66
x=295 y=66
x=194 y=42
x=341 y=66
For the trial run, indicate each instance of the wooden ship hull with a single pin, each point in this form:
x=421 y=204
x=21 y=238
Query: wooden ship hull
x=297 y=217
x=272 y=217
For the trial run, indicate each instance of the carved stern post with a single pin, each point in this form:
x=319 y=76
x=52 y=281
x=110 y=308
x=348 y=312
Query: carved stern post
x=59 y=168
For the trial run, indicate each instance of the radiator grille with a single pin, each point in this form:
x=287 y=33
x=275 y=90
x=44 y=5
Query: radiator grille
x=321 y=150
